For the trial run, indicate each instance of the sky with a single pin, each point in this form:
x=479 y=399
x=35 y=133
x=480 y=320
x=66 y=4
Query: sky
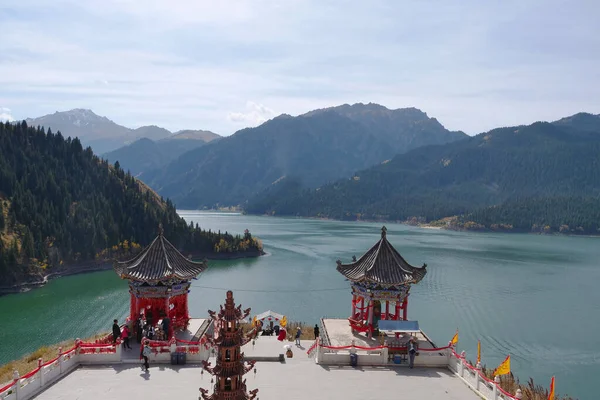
x=225 y=65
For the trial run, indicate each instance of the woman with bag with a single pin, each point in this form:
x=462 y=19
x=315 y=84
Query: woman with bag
x=145 y=353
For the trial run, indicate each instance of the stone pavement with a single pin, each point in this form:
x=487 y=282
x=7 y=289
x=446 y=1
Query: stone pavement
x=297 y=378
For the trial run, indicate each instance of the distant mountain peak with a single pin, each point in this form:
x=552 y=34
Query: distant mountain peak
x=194 y=134
x=582 y=121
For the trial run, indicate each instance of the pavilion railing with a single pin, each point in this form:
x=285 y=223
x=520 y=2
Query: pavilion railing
x=84 y=353
x=437 y=357
x=323 y=333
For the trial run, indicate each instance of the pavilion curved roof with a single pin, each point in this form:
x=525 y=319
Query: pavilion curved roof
x=159 y=261
x=382 y=264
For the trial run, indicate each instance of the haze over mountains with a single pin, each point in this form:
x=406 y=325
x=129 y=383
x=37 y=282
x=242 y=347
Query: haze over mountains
x=549 y=174
x=410 y=166
x=98 y=132
x=146 y=155
x=315 y=148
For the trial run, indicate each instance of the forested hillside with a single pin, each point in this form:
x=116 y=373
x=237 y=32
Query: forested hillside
x=315 y=148
x=61 y=205
x=541 y=174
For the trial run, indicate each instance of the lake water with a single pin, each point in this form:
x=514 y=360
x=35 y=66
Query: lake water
x=533 y=297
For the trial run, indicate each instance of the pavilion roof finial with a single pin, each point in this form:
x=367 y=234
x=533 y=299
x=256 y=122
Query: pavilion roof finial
x=161 y=231
x=383 y=231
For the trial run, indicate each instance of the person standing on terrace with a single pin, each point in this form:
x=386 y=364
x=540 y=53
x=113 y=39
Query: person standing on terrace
x=413 y=347
x=298 y=334
x=125 y=337
x=116 y=331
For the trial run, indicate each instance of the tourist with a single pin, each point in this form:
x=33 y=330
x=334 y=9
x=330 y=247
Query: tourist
x=125 y=337
x=149 y=317
x=139 y=329
x=413 y=347
x=165 y=326
x=146 y=351
x=316 y=331
x=298 y=334
x=151 y=332
x=116 y=331
x=282 y=335
x=276 y=329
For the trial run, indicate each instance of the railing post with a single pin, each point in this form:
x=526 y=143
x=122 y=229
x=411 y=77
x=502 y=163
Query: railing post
x=77 y=344
x=17 y=385
x=519 y=394
x=384 y=352
x=318 y=355
x=41 y=372
x=462 y=364
x=496 y=384
x=478 y=367
x=118 y=350
x=60 y=360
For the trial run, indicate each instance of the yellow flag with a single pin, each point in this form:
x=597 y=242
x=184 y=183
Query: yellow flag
x=503 y=368
x=283 y=321
x=478 y=351
x=254 y=321
x=551 y=395
x=455 y=337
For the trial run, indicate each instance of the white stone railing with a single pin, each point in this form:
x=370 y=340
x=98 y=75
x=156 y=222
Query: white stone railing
x=474 y=378
x=29 y=385
x=444 y=357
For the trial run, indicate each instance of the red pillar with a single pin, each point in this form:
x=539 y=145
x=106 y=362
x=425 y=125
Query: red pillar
x=387 y=309
x=405 y=308
x=370 y=325
x=397 y=316
x=362 y=308
x=353 y=306
x=187 y=312
x=132 y=304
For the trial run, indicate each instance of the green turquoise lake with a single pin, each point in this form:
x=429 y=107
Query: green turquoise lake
x=531 y=296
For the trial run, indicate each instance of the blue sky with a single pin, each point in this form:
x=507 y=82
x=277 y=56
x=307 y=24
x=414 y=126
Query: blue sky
x=225 y=65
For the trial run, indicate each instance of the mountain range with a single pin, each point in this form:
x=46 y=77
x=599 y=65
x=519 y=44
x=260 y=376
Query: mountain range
x=365 y=161
x=473 y=177
x=146 y=155
x=315 y=148
x=100 y=133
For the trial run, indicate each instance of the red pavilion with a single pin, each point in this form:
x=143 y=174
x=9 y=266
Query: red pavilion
x=380 y=276
x=159 y=281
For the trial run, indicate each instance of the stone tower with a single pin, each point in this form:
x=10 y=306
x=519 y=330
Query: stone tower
x=230 y=366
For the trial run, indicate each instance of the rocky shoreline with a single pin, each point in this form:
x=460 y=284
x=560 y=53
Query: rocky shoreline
x=94 y=267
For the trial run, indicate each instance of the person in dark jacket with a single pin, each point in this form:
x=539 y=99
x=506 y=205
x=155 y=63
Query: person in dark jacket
x=298 y=334
x=166 y=322
x=116 y=331
x=413 y=347
x=316 y=331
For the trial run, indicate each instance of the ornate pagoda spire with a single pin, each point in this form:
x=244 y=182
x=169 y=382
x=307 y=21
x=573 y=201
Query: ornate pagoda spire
x=230 y=366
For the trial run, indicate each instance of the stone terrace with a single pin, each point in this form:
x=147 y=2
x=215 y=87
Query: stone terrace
x=297 y=378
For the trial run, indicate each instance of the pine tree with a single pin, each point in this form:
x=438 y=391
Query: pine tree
x=27 y=249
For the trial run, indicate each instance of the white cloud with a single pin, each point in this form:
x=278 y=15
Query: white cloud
x=192 y=64
x=5 y=115
x=256 y=114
